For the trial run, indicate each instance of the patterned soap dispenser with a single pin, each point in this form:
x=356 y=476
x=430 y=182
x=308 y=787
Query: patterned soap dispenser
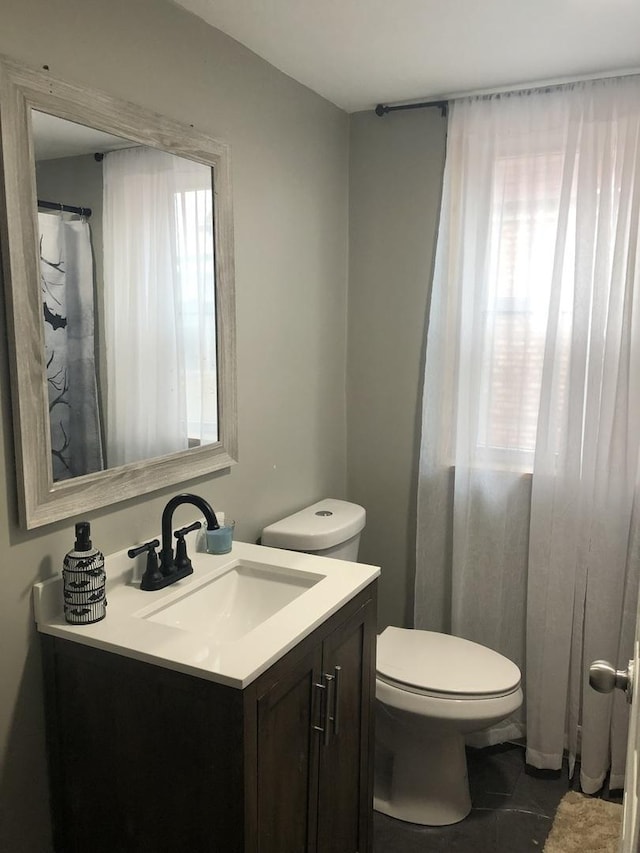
x=84 y=580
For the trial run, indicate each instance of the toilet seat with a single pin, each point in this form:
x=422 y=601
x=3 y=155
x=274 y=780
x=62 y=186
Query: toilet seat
x=443 y=666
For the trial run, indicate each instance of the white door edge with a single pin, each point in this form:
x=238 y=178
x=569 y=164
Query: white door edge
x=630 y=822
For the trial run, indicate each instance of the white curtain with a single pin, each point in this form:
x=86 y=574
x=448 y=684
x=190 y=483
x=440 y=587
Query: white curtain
x=159 y=304
x=67 y=283
x=527 y=530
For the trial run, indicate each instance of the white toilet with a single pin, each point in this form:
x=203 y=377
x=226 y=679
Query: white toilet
x=431 y=689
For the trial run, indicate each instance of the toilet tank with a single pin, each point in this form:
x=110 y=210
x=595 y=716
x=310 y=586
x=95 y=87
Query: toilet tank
x=328 y=528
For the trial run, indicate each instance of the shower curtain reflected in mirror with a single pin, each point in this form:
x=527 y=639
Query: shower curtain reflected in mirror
x=66 y=269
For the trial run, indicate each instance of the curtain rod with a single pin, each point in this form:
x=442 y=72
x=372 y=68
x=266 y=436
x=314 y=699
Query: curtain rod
x=383 y=109
x=65 y=208
x=443 y=102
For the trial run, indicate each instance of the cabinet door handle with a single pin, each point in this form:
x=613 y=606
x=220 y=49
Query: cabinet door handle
x=330 y=681
x=337 y=671
x=322 y=714
x=329 y=704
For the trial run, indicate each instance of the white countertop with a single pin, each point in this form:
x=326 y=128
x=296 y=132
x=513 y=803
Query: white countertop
x=127 y=629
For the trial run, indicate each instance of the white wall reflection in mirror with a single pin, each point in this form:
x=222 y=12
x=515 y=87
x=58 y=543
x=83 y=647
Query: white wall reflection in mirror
x=128 y=297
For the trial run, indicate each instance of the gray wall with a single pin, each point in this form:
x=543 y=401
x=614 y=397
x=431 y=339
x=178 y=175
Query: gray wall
x=290 y=186
x=396 y=166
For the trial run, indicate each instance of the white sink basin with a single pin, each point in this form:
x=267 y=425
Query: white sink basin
x=228 y=622
x=235 y=602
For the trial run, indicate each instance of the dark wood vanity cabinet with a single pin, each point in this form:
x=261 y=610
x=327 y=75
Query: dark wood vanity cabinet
x=147 y=760
x=314 y=744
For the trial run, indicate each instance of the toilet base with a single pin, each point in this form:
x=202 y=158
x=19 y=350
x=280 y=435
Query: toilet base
x=427 y=785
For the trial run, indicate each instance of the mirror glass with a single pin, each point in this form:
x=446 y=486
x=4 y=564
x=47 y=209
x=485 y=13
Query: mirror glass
x=126 y=248
x=118 y=266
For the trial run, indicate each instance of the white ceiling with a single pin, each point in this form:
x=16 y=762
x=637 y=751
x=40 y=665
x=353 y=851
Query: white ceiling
x=357 y=53
x=55 y=137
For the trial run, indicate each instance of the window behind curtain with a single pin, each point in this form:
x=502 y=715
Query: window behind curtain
x=523 y=219
x=195 y=260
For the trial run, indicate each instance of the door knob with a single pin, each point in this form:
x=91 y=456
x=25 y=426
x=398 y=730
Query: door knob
x=603 y=677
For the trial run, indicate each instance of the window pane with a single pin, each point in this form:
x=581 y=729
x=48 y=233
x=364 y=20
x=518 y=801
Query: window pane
x=523 y=251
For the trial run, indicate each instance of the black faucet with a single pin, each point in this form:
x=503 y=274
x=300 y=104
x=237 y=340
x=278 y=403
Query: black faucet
x=167 y=562
x=170 y=570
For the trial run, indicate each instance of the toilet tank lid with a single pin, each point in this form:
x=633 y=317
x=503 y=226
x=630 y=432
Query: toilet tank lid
x=322 y=525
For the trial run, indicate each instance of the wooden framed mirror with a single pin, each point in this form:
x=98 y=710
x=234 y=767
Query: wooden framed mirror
x=81 y=445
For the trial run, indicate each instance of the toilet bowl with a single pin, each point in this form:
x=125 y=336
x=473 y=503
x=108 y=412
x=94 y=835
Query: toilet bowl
x=431 y=689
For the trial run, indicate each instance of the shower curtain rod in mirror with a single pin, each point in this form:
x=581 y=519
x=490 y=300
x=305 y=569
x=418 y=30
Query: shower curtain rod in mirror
x=65 y=208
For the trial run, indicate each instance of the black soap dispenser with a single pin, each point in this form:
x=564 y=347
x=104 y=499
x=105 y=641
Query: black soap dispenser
x=84 y=580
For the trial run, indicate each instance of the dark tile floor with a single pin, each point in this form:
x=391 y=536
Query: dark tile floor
x=512 y=811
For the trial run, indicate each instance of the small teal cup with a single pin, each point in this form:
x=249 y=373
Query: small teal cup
x=220 y=541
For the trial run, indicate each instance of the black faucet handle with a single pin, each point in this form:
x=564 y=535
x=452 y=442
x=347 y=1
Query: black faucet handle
x=182 y=561
x=179 y=534
x=140 y=549
x=152 y=576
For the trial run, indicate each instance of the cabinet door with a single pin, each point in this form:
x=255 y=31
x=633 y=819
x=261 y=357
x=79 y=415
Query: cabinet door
x=345 y=782
x=287 y=758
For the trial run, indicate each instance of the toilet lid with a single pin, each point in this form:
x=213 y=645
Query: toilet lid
x=433 y=663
